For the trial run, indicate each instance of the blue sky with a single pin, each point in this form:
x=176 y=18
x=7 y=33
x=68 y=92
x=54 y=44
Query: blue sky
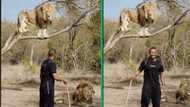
x=10 y=8
x=112 y=8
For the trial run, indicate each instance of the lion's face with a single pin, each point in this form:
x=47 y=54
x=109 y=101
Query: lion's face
x=47 y=11
x=84 y=93
x=149 y=10
x=89 y=92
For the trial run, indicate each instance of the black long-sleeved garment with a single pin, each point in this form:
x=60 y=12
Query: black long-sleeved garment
x=48 y=67
x=151 y=87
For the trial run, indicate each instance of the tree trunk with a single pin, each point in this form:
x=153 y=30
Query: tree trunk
x=31 y=55
x=131 y=50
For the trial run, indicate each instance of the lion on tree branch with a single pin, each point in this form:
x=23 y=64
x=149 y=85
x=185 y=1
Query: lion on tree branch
x=144 y=15
x=41 y=17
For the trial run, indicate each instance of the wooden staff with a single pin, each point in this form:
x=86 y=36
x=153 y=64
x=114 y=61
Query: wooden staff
x=68 y=95
x=165 y=91
x=128 y=91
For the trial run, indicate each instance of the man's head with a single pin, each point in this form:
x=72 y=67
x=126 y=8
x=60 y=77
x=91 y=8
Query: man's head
x=153 y=52
x=51 y=53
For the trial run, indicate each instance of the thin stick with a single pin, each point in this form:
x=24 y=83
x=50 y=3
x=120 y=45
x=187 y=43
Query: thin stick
x=164 y=92
x=68 y=96
x=128 y=91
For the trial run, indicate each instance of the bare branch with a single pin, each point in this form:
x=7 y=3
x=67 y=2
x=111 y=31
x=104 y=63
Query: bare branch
x=16 y=37
x=112 y=41
x=74 y=24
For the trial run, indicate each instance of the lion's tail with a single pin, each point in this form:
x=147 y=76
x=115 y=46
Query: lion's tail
x=120 y=22
x=18 y=24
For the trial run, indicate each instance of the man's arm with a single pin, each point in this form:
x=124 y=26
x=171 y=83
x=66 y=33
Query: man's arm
x=162 y=74
x=162 y=78
x=55 y=74
x=136 y=75
x=140 y=69
x=58 y=78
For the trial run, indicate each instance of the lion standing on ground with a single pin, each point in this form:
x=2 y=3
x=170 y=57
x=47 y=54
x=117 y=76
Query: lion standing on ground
x=41 y=17
x=143 y=15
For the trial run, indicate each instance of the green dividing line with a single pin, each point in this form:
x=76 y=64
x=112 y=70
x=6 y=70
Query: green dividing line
x=101 y=6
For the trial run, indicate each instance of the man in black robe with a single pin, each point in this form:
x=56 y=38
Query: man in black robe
x=48 y=75
x=153 y=74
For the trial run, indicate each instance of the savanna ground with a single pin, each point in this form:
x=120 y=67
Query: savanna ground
x=20 y=87
x=116 y=87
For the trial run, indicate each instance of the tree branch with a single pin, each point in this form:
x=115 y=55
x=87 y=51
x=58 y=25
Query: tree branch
x=16 y=37
x=112 y=41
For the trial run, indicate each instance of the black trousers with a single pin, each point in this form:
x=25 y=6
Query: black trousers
x=46 y=95
x=151 y=93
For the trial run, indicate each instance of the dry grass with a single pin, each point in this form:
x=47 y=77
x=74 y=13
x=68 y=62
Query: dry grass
x=19 y=82
x=116 y=72
x=116 y=85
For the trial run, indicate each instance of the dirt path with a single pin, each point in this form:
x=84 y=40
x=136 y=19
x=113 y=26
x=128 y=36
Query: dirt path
x=27 y=94
x=115 y=96
x=20 y=87
x=29 y=97
x=116 y=86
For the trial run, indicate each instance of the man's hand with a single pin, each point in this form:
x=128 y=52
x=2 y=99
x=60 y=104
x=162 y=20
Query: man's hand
x=133 y=78
x=64 y=82
x=58 y=78
x=162 y=79
x=162 y=83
